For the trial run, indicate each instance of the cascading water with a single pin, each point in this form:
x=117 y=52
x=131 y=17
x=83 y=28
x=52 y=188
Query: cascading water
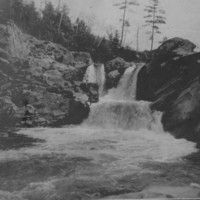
x=118 y=109
x=126 y=89
x=82 y=160
x=119 y=113
x=96 y=74
x=90 y=75
x=100 y=77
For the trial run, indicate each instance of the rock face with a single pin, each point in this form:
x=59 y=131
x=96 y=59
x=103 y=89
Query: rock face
x=40 y=81
x=114 y=70
x=172 y=82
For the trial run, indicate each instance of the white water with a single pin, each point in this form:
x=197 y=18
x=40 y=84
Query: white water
x=117 y=125
x=118 y=136
x=90 y=75
x=119 y=110
x=114 y=153
x=126 y=89
x=96 y=74
x=100 y=75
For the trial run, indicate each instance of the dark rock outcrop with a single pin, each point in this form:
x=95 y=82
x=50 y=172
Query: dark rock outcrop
x=172 y=82
x=83 y=57
x=40 y=81
x=114 y=70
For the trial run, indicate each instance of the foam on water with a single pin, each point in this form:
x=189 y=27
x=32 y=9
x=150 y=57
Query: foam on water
x=90 y=75
x=100 y=75
x=119 y=134
x=141 y=144
x=96 y=74
x=134 y=131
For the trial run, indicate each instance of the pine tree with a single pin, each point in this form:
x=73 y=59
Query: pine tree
x=154 y=18
x=50 y=22
x=125 y=23
x=17 y=11
x=5 y=10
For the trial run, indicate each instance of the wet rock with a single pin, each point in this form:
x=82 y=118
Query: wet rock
x=91 y=89
x=113 y=78
x=114 y=70
x=171 y=81
x=78 y=111
x=118 y=64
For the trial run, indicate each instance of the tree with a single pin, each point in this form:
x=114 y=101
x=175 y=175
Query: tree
x=4 y=10
x=154 y=18
x=115 y=43
x=115 y=40
x=64 y=22
x=48 y=21
x=63 y=16
x=125 y=23
x=137 y=38
x=17 y=11
x=31 y=19
x=84 y=40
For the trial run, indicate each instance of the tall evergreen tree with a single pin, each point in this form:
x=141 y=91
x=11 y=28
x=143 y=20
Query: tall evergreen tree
x=125 y=23
x=5 y=10
x=154 y=19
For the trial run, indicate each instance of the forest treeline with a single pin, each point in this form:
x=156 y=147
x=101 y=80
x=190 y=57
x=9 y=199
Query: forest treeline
x=54 y=24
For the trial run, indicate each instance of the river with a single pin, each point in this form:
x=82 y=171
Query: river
x=120 y=152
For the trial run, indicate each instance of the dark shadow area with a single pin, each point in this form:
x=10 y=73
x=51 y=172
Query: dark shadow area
x=9 y=139
x=17 y=174
x=179 y=173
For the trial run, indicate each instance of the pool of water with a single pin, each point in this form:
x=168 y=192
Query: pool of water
x=79 y=162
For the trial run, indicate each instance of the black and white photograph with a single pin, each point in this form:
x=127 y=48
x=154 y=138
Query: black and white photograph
x=99 y=99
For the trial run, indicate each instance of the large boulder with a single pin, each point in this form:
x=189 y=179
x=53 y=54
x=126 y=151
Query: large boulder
x=114 y=70
x=118 y=64
x=175 y=46
x=113 y=78
x=171 y=82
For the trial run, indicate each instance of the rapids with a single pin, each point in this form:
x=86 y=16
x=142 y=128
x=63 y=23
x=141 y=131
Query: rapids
x=106 y=155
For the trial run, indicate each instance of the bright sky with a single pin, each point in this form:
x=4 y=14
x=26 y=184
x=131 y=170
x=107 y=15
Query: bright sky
x=182 y=19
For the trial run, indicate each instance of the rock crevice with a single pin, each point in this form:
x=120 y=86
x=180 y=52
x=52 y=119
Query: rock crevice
x=172 y=82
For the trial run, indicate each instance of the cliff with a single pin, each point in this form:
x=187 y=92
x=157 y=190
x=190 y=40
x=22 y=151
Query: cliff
x=171 y=82
x=41 y=82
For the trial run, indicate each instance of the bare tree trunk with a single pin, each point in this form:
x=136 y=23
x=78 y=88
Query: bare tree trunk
x=123 y=23
x=124 y=40
x=138 y=30
x=153 y=24
x=60 y=22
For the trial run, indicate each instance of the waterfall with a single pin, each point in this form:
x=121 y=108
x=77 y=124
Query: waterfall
x=126 y=89
x=119 y=109
x=122 y=115
x=100 y=78
x=137 y=129
x=96 y=74
x=90 y=75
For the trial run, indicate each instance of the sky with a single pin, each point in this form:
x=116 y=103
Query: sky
x=182 y=19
